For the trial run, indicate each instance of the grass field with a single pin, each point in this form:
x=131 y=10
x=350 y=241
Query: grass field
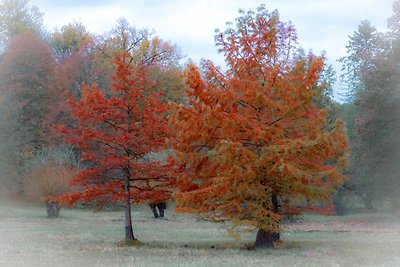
x=83 y=238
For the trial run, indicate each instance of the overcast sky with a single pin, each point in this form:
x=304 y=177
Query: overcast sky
x=322 y=25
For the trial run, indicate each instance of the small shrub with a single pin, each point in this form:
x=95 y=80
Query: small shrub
x=49 y=175
x=51 y=179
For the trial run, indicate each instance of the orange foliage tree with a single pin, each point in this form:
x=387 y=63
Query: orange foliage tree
x=251 y=145
x=50 y=180
x=48 y=174
x=119 y=135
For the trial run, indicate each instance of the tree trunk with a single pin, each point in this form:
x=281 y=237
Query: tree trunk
x=128 y=216
x=340 y=207
x=20 y=182
x=161 y=206
x=368 y=204
x=128 y=220
x=153 y=209
x=265 y=239
x=394 y=203
x=53 y=209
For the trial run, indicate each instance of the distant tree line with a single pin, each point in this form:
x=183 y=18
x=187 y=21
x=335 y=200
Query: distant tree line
x=371 y=78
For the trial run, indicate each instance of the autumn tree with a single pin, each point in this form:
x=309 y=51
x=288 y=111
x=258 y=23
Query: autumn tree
x=69 y=40
x=118 y=136
x=143 y=46
x=26 y=78
x=27 y=73
x=144 y=49
x=72 y=47
x=49 y=174
x=251 y=145
x=18 y=17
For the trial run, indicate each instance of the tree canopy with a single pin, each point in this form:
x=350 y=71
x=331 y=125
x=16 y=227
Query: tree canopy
x=118 y=134
x=372 y=73
x=251 y=145
x=17 y=17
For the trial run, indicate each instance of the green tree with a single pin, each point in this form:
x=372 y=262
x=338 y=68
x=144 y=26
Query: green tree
x=143 y=47
x=364 y=45
x=27 y=77
x=69 y=40
x=373 y=73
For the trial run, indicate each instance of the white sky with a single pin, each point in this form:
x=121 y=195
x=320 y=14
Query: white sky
x=322 y=25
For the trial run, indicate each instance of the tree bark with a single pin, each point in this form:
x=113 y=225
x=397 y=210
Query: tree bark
x=340 y=207
x=53 y=209
x=266 y=239
x=161 y=206
x=128 y=216
x=394 y=203
x=153 y=209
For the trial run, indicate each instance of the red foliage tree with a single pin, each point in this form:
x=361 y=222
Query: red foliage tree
x=72 y=70
x=251 y=145
x=119 y=136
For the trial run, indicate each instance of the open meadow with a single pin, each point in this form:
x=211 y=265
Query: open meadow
x=83 y=238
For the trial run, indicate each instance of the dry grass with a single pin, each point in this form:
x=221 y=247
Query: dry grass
x=83 y=238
